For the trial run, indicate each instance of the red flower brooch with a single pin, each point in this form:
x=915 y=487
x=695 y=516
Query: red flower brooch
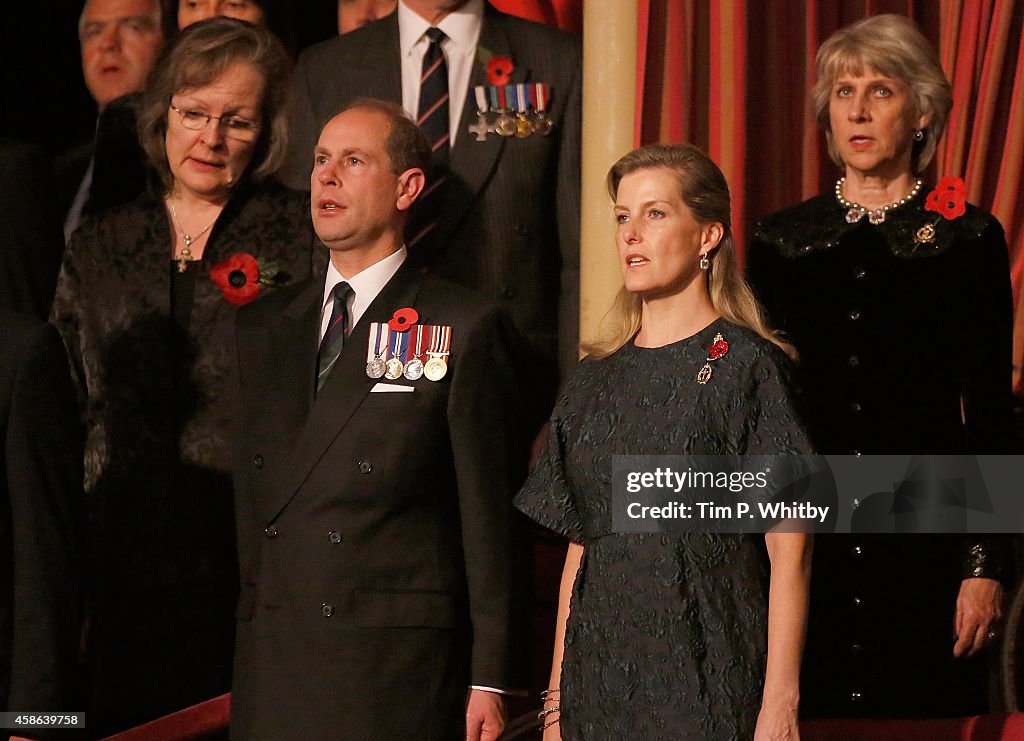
x=402 y=319
x=719 y=349
x=949 y=200
x=499 y=70
x=240 y=276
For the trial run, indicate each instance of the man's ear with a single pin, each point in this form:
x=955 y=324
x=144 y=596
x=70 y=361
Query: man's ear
x=410 y=186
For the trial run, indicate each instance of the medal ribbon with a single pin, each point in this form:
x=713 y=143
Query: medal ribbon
x=480 y=91
x=418 y=352
x=522 y=98
x=540 y=96
x=378 y=341
x=398 y=344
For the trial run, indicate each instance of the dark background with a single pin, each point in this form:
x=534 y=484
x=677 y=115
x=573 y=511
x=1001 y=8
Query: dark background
x=43 y=98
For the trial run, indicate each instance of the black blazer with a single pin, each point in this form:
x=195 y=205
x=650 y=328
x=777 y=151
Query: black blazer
x=509 y=226
x=375 y=529
x=41 y=522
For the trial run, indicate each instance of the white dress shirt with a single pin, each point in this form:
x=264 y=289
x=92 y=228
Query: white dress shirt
x=365 y=286
x=463 y=30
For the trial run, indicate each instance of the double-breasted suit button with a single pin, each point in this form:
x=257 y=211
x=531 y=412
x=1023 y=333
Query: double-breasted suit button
x=854 y=315
x=257 y=460
x=508 y=293
x=270 y=531
x=364 y=466
x=856 y=407
x=326 y=609
x=521 y=229
x=853 y=361
x=334 y=536
x=860 y=272
x=857 y=550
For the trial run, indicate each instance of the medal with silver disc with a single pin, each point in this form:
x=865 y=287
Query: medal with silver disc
x=375 y=365
x=414 y=368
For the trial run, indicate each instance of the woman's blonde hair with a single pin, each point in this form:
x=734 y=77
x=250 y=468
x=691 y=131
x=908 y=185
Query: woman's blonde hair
x=891 y=45
x=705 y=192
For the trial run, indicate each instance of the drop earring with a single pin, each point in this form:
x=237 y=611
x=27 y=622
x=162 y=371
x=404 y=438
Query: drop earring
x=705 y=263
x=919 y=135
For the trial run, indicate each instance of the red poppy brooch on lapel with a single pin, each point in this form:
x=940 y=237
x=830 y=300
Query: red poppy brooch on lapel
x=949 y=200
x=402 y=319
x=240 y=277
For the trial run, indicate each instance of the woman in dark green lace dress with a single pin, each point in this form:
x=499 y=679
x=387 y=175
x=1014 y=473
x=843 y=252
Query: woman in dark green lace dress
x=665 y=636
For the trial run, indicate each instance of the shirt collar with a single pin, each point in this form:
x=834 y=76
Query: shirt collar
x=366 y=284
x=462 y=27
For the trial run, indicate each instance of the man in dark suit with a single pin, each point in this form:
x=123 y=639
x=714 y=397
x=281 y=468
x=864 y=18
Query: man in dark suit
x=41 y=584
x=120 y=41
x=374 y=520
x=508 y=212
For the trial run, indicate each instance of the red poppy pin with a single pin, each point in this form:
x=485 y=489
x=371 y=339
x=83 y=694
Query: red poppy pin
x=499 y=70
x=719 y=349
x=240 y=277
x=403 y=319
x=949 y=200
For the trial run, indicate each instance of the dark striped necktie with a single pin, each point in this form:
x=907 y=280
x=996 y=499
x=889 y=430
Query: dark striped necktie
x=432 y=114
x=334 y=337
x=433 y=119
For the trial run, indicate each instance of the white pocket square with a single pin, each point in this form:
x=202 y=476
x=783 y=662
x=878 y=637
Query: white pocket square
x=390 y=387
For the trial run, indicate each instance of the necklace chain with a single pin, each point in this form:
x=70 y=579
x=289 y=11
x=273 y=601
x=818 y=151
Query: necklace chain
x=855 y=212
x=186 y=252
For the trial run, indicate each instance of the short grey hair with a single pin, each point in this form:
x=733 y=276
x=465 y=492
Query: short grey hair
x=893 y=46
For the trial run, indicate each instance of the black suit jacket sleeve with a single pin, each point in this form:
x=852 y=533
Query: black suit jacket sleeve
x=43 y=462
x=488 y=448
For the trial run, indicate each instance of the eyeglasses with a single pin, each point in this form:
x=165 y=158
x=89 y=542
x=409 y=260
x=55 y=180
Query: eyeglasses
x=237 y=128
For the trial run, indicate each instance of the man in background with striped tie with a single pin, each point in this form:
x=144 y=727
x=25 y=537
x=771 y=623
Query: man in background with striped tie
x=499 y=99
x=381 y=444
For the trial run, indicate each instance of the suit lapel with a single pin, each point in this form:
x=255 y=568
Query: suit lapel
x=473 y=162
x=345 y=389
x=380 y=68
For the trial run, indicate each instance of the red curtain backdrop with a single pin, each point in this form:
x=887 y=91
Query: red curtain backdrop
x=733 y=76
x=566 y=14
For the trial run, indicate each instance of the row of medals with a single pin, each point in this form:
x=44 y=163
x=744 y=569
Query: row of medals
x=393 y=369
x=520 y=125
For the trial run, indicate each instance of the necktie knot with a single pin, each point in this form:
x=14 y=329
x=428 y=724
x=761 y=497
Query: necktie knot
x=436 y=35
x=340 y=293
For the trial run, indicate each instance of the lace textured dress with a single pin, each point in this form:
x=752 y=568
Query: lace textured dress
x=667 y=634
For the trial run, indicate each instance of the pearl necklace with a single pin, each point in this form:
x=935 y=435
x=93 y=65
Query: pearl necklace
x=855 y=212
x=186 y=252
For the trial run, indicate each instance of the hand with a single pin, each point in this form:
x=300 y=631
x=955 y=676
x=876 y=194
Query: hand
x=979 y=607
x=485 y=716
x=776 y=722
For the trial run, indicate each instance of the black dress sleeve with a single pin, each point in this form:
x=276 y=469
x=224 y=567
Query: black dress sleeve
x=546 y=497
x=987 y=402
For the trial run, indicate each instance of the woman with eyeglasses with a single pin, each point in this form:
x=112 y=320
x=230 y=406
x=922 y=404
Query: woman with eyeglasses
x=145 y=303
